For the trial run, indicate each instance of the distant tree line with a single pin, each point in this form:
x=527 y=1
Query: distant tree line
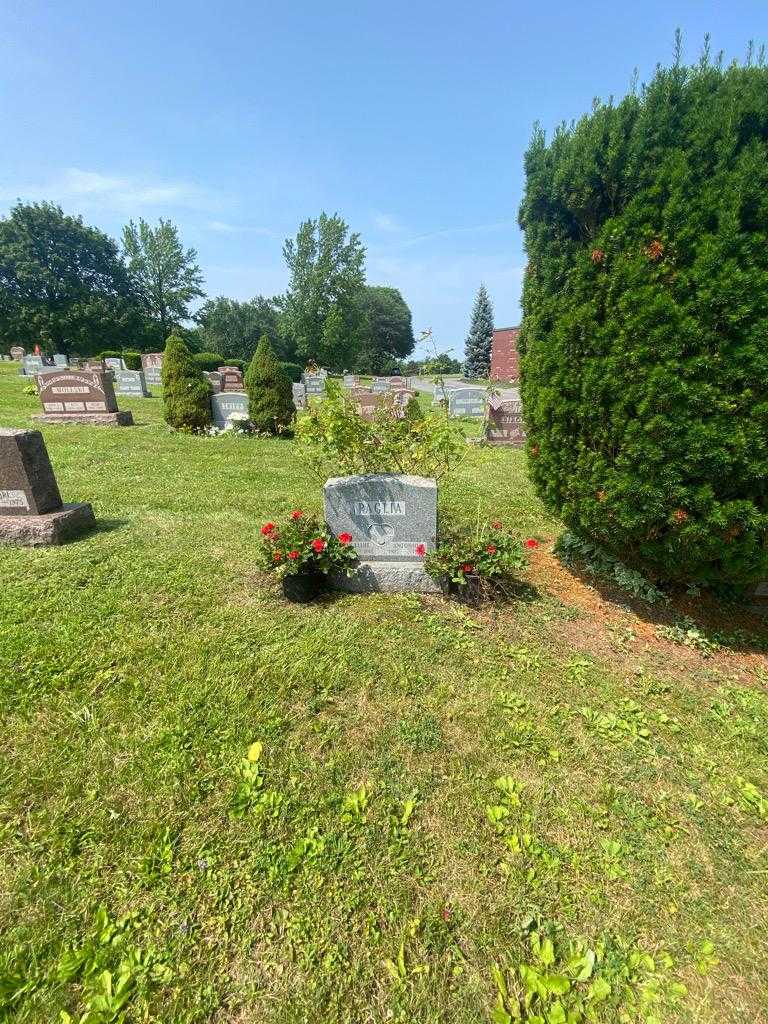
x=68 y=287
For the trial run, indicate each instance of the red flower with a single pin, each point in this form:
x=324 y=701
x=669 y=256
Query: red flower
x=296 y=514
x=531 y=543
x=267 y=528
x=277 y=556
x=293 y=555
x=318 y=544
x=467 y=567
x=496 y=524
x=421 y=550
x=491 y=549
x=345 y=538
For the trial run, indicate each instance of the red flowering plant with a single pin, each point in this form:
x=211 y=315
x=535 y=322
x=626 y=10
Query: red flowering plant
x=304 y=545
x=488 y=554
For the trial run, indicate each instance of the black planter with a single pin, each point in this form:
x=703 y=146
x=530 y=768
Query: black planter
x=303 y=587
x=470 y=592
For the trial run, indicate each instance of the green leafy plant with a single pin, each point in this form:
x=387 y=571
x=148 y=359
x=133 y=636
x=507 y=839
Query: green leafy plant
x=644 y=367
x=488 y=552
x=186 y=393
x=303 y=544
x=270 y=404
x=575 y=550
x=337 y=441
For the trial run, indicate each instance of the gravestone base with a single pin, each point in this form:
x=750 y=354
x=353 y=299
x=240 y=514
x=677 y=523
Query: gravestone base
x=57 y=527
x=387 y=578
x=123 y=418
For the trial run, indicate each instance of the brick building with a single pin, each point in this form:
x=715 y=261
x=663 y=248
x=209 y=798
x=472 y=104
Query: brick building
x=504 y=358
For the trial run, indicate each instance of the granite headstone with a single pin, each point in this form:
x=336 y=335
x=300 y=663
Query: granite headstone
x=80 y=396
x=228 y=406
x=131 y=382
x=505 y=423
x=231 y=378
x=466 y=401
x=152 y=365
x=60 y=359
x=299 y=395
x=17 y=353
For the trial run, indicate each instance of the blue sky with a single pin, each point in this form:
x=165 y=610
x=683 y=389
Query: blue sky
x=238 y=120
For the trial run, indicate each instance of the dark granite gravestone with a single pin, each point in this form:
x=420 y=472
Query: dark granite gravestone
x=31 y=510
x=60 y=360
x=17 y=353
x=152 y=365
x=466 y=401
x=131 y=382
x=231 y=378
x=228 y=406
x=505 y=423
x=80 y=396
x=393 y=523
x=299 y=396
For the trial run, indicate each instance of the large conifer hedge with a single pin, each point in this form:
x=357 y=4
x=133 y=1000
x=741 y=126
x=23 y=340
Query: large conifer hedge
x=645 y=323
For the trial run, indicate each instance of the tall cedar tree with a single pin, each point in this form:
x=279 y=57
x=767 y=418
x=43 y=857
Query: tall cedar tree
x=270 y=397
x=477 y=349
x=186 y=392
x=645 y=319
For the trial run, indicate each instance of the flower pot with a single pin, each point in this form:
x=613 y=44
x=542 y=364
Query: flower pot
x=303 y=587
x=470 y=592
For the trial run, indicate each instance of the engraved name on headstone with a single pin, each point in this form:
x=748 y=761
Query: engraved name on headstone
x=131 y=382
x=505 y=423
x=228 y=406
x=81 y=396
x=231 y=378
x=152 y=365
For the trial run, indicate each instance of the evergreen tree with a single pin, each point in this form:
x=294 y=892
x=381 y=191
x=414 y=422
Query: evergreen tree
x=477 y=349
x=270 y=399
x=186 y=393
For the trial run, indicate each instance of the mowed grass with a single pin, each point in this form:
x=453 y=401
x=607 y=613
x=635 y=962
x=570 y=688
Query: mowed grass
x=437 y=792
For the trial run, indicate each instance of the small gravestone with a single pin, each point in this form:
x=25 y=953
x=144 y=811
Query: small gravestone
x=152 y=365
x=214 y=379
x=60 y=359
x=466 y=401
x=393 y=523
x=314 y=384
x=227 y=407
x=351 y=380
x=367 y=404
x=380 y=385
x=231 y=378
x=96 y=365
x=299 y=396
x=32 y=365
x=17 y=353
x=397 y=383
x=31 y=510
x=131 y=382
x=505 y=423
x=80 y=396
x=114 y=363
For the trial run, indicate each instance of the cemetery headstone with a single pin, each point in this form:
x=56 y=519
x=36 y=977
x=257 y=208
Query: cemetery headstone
x=114 y=363
x=299 y=396
x=228 y=406
x=400 y=399
x=231 y=378
x=505 y=423
x=367 y=403
x=60 y=359
x=380 y=385
x=314 y=384
x=399 y=382
x=214 y=379
x=80 y=396
x=152 y=365
x=31 y=510
x=351 y=380
x=32 y=365
x=17 y=353
x=131 y=382
x=393 y=523
x=466 y=401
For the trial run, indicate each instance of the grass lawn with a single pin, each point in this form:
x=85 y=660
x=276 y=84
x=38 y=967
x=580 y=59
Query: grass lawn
x=448 y=809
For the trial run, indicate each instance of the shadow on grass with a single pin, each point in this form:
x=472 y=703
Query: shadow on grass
x=108 y=525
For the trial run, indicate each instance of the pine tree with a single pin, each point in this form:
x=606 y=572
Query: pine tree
x=477 y=349
x=186 y=393
x=270 y=400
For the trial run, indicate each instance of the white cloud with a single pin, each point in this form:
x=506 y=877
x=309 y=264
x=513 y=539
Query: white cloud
x=96 y=190
x=224 y=228
x=387 y=223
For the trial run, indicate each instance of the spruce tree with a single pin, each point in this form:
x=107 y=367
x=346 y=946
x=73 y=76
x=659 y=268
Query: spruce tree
x=186 y=392
x=270 y=399
x=477 y=349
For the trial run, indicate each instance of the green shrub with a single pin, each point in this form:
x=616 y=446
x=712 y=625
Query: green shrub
x=209 y=361
x=645 y=317
x=270 y=401
x=132 y=360
x=186 y=393
x=292 y=371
